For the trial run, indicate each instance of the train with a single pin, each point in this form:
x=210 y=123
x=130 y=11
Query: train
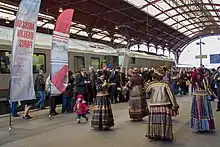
x=81 y=54
x=131 y=59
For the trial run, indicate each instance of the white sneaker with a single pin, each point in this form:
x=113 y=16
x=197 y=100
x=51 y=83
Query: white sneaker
x=78 y=121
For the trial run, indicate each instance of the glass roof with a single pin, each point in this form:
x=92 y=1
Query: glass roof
x=188 y=17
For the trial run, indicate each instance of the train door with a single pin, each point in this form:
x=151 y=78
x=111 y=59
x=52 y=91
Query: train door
x=79 y=62
x=95 y=63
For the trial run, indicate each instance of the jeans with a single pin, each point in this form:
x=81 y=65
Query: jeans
x=40 y=102
x=14 y=108
x=67 y=104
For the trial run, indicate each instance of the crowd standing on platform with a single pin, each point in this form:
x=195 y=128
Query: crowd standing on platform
x=107 y=86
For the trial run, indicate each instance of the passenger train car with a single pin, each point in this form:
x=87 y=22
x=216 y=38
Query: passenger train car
x=130 y=59
x=81 y=54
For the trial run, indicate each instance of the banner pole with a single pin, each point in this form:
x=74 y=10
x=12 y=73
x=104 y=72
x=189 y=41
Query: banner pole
x=10 y=121
x=50 y=98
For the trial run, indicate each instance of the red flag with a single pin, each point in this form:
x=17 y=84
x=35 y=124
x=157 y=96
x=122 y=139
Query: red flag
x=57 y=79
x=59 y=52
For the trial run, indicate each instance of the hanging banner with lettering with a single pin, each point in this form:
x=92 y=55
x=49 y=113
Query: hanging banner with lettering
x=25 y=25
x=59 y=52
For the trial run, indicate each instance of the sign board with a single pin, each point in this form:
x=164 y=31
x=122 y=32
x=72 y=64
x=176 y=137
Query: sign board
x=214 y=58
x=203 y=56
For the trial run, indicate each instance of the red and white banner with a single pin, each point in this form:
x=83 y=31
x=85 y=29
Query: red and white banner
x=59 y=52
x=25 y=25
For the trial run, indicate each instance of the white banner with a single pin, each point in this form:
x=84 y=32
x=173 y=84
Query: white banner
x=59 y=52
x=25 y=25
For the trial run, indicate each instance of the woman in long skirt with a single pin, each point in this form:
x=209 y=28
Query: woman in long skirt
x=201 y=111
x=102 y=116
x=137 y=99
x=162 y=104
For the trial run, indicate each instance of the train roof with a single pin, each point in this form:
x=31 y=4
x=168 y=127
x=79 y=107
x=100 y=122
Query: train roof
x=143 y=55
x=44 y=41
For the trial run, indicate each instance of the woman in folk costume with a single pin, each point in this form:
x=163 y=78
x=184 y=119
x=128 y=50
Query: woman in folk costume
x=102 y=116
x=162 y=104
x=201 y=111
x=137 y=98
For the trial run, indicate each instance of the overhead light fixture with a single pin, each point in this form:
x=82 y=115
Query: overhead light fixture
x=44 y=20
x=212 y=32
x=61 y=10
x=116 y=27
x=7 y=21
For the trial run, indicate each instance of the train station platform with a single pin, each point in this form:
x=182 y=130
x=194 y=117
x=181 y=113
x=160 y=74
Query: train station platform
x=63 y=130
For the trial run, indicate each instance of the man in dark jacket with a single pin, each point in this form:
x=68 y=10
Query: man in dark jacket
x=115 y=83
x=80 y=83
x=40 y=89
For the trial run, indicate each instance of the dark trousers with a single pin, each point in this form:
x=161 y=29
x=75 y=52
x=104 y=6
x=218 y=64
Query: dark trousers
x=53 y=104
x=90 y=95
x=218 y=94
x=81 y=115
x=114 y=93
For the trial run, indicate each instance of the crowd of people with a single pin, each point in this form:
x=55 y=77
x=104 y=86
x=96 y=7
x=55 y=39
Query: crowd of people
x=106 y=86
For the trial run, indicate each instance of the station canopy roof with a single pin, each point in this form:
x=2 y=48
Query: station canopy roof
x=168 y=24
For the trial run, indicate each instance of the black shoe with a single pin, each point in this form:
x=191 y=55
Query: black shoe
x=29 y=117
x=218 y=110
x=54 y=113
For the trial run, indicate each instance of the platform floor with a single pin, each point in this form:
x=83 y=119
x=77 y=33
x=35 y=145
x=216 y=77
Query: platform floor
x=63 y=131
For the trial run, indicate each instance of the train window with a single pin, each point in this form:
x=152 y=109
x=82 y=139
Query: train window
x=39 y=62
x=133 y=60
x=95 y=62
x=79 y=62
x=120 y=60
x=5 y=61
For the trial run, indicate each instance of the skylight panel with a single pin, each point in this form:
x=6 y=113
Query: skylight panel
x=185 y=22
x=7 y=16
x=162 y=17
x=49 y=26
x=39 y=23
x=170 y=21
x=82 y=33
x=172 y=12
x=137 y=3
x=212 y=13
x=163 y=5
x=118 y=40
x=124 y=42
x=216 y=18
x=106 y=38
x=151 y=10
x=98 y=36
x=182 y=30
x=187 y=33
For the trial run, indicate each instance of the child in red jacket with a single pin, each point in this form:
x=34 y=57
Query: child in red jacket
x=81 y=108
